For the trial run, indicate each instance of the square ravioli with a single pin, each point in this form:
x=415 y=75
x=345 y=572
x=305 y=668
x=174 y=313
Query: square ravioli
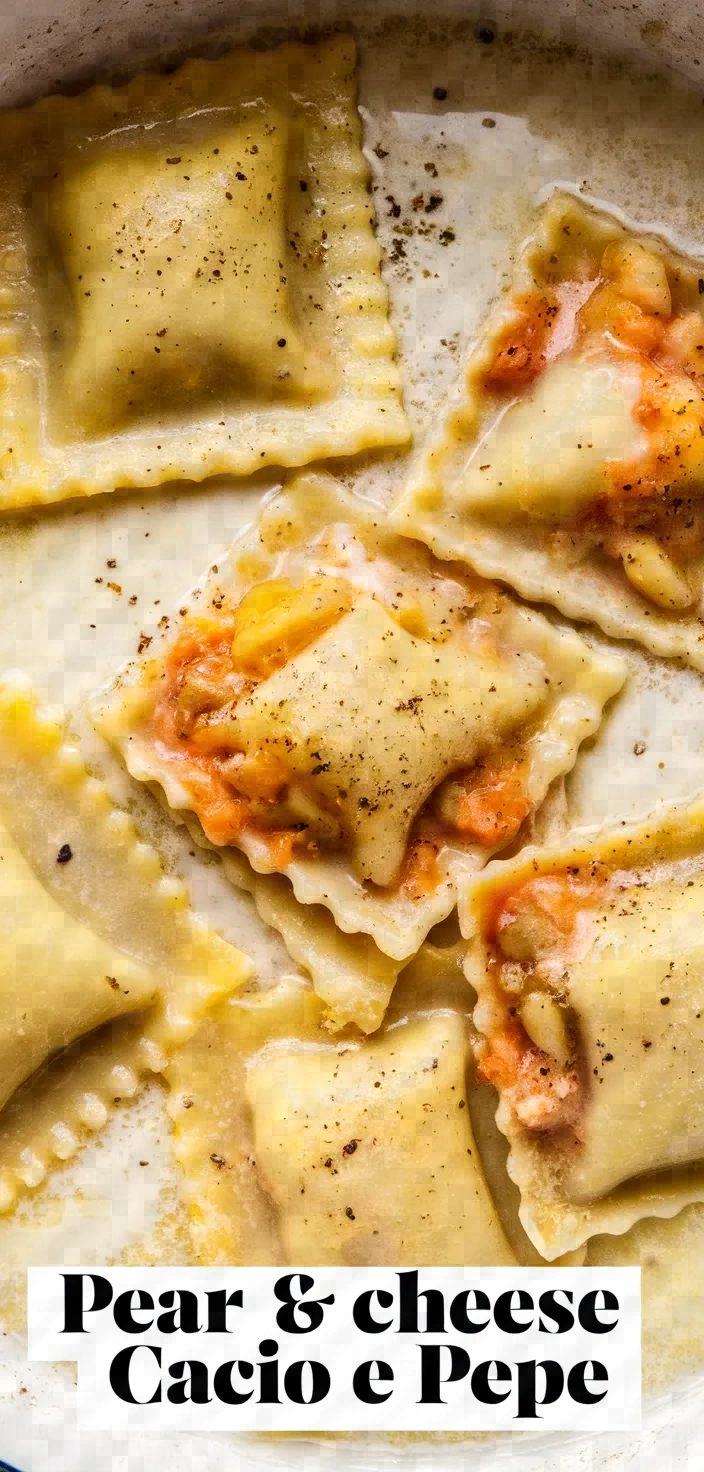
x=355 y=715
x=295 y=1149
x=588 y=963
x=189 y=279
x=98 y=949
x=571 y=463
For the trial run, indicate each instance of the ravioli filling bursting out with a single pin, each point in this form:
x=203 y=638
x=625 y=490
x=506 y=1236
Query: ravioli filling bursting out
x=589 y=968
x=575 y=461
x=189 y=280
x=362 y=711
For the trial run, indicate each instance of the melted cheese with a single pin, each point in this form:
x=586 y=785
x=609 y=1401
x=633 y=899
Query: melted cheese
x=548 y=454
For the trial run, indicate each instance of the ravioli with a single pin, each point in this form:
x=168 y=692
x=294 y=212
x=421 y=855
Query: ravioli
x=190 y=320
x=64 y=973
x=351 y=976
x=589 y=967
x=402 y=1187
x=370 y=1159
x=189 y=280
x=57 y=979
x=670 y=1256
x=352 y=714
x=339 y=711
x=570 y=463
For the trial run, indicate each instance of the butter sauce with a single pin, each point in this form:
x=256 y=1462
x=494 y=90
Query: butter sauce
x=462 y=135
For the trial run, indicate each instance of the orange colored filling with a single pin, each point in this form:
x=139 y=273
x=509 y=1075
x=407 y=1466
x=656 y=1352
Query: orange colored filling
x=667 y=367
x=212 y=663
x=522 y=349
x=493 y=805
x=650 y=475
x=542 y=1095
x=542 y=1092
x=421 y=872
x=558 y=900
x=670 y=354
x=200 y=676
x=200 y=659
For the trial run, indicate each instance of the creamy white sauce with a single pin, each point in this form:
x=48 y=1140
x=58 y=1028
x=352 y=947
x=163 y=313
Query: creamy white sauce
x=517 y=118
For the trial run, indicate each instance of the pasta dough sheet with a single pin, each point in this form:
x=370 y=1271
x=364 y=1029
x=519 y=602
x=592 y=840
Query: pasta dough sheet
x=63 y=977
x=351 y=976
x=376 y=673
x=568 y=463
x=587 y=962
x=189 y=279
x=372 y=1159
x=85 y=584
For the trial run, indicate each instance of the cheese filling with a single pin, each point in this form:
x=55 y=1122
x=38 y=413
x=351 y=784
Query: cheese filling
x=533 y=1056
x=331 y=715
x=600 y=433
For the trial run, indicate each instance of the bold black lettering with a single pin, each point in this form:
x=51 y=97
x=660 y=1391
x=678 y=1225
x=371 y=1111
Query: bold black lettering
x=431 y=1379
x=222 y=1382
x=587 y=1311
x=408 y=1306
x=504 y=1310
x=562 y=1317
x=75 y=1308
x=193 y=1386
x=218 y=1304
x=362 y=1382
x=268 y=1374
x=577 y=1382
x=183 y=1312
x=120 y=1374
x=319 y=1382
x=460 y=1309
x=287 y=1317
x=123 y=1312
x=361 y=1313
x=483 y=1380
x=527 y=1382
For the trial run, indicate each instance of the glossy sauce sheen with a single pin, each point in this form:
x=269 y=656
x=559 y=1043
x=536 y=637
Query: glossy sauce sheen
x=455 y=180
